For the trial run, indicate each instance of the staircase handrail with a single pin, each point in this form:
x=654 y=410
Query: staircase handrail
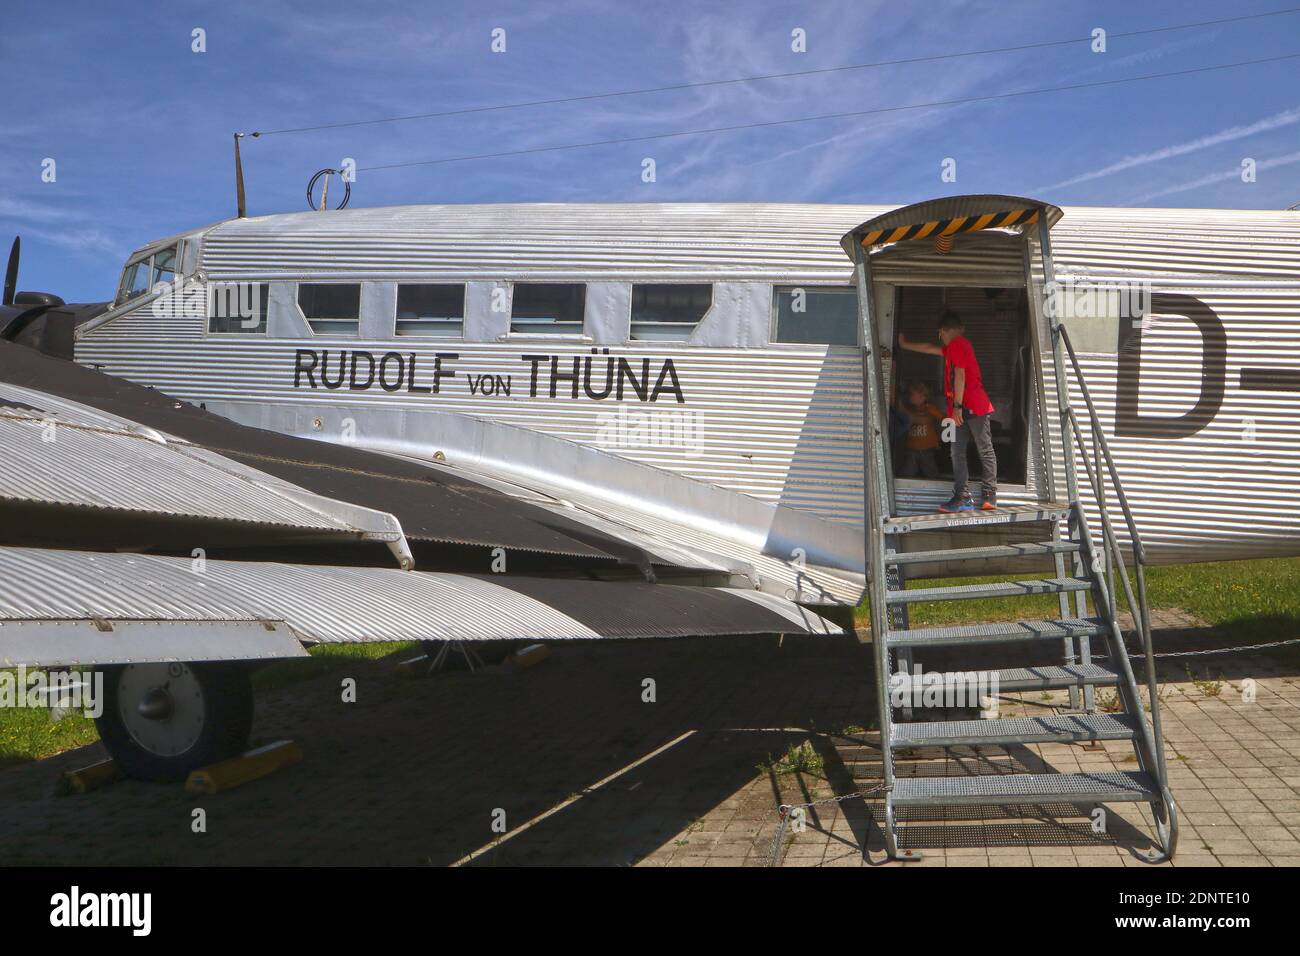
x=1096 y=478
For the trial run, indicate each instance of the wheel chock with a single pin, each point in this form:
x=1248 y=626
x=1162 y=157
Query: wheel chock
x=529 y=656
x=247 y=767
x=90 y=778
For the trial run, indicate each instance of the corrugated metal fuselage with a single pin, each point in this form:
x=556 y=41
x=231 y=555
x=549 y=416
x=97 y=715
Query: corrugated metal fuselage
x=731 y=432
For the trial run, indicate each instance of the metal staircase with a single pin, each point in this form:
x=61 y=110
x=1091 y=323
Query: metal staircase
x=1092 y=575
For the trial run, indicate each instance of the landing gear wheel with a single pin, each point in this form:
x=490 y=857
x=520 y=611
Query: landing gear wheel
x=161 y=721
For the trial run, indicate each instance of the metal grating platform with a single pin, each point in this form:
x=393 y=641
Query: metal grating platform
x=1014 y=730
x=1040 y=677
x=996 y=589
x=1025 y=788
x=1027 y=549
x=1046 y=677
x=1045 y=511
x=997 y=632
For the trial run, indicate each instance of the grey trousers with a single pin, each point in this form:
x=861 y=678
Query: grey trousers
x=975 y=427
x=918 y=462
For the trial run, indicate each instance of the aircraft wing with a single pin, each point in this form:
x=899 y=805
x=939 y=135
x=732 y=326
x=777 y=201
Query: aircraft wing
x=134 y=527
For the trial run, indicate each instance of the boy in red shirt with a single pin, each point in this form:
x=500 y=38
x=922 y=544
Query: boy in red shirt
x=969 y=408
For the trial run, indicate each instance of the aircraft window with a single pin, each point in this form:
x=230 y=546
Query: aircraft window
x=142 y=275
x=668 y=312
x=238 y=307
x=331 y=308
x=548 y=308
x=816 y=315
x=135 y=280
x=164 y=265
x=435 y=310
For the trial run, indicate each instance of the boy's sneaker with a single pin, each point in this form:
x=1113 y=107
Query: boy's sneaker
x=955 y=504
x=990 y=503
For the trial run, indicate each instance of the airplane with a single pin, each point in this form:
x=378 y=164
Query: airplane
x=697 y=379
x=664 y=346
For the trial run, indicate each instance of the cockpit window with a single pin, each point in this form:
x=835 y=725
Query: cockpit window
x=141 y=275
x=135 y=281
x=164 y=265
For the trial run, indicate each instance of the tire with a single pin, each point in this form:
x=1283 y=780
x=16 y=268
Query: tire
x=161 y=721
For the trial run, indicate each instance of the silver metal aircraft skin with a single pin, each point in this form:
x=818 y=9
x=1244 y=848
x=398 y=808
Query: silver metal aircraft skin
x=728 y=442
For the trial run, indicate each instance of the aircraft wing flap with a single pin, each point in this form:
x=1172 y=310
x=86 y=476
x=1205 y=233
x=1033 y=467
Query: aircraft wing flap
x=59 y=454
x=333 y=604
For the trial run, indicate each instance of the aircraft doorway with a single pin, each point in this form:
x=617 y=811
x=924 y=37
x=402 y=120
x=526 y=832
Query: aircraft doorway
x=998 y=325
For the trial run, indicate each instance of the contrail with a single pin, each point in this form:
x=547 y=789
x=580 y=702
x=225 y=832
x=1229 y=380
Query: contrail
x=1217 y=178
x=1277 y=121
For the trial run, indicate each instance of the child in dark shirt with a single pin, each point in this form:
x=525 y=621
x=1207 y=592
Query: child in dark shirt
x=922 y=434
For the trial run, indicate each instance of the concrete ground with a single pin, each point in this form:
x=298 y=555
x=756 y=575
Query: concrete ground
x=581 y=769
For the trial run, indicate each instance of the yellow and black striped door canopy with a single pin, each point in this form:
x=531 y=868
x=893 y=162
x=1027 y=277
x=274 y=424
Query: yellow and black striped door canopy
x=950 y=227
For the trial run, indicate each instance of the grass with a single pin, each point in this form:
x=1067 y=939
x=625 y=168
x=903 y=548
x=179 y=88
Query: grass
x=799 y=758
x=1250 y=601
x=31 y=733
x=324 y=659
x=1108 y=702
x=1255 y=601
x=1207 y=685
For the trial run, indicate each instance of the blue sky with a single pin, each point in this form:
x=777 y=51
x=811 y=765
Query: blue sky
x=140 y=126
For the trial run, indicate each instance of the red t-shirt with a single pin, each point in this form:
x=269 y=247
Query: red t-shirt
x=959 y=353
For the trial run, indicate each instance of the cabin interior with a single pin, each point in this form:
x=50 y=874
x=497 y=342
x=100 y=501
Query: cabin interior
x=997 y=323
x=983 y=278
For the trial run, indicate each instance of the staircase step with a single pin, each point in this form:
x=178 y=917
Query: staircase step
x=1012 y=514
x=996 y=633
x=1024 y=788
x=1043 y=677
x=1027 y=549
x=1013 y=730
x=970 y=592
x=1064 y=675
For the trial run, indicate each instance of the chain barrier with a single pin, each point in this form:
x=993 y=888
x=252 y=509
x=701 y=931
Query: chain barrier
x=785 y=811
x=1229 y=650
x=1245 y=649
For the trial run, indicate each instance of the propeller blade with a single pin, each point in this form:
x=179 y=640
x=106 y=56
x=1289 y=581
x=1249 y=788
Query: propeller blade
x=11 y=273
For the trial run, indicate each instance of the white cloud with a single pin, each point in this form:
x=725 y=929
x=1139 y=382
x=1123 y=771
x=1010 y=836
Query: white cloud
x=26 y=210
x=1268 y=124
